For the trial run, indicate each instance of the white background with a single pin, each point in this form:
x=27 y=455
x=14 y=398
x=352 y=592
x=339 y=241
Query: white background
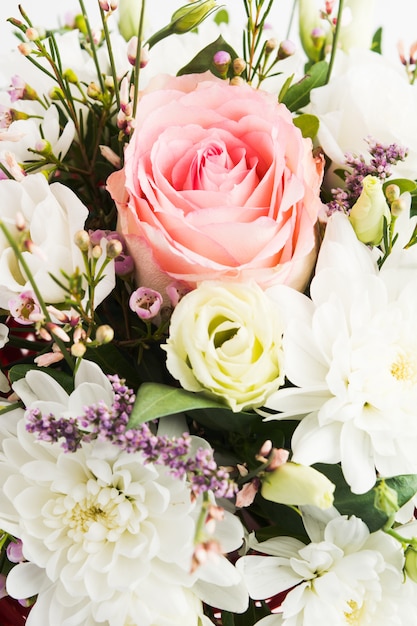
x=399 y=16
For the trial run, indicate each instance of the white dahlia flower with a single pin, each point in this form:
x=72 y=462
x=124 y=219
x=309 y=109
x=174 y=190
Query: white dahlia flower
x=108 y=538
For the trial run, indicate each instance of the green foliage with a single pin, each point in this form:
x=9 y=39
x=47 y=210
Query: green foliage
x=154 y=400
x=17 y=372
x=298 y=95
x=308 y=124
x=203 y=61
x=221 y=17
x=376 y=45
x=363 y=505
x=403 y=183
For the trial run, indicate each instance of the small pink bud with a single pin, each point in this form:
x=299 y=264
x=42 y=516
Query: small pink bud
x=25 y=49
x=32 y=34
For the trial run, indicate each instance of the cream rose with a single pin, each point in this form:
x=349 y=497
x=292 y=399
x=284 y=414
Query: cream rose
x=225 y=339
x=218 y=183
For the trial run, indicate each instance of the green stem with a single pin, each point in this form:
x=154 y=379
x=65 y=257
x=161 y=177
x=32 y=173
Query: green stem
x=137 y=60
x=92 y=45
x=111 y=57
x=41 y=301
x=335 y=40
x=290 y=23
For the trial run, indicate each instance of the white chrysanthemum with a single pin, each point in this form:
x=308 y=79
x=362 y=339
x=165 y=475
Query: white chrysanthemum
x=345 y=577
x=352 y=352
x=109 y=539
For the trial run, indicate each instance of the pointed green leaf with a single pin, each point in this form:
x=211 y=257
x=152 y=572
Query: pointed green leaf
x=65 y=380
x=363 y=505
x=298 y=95
x=308 y=124
x=285 y=88
x=376 y=45
x=203 y=61
x=221 y=17
x=155 y=400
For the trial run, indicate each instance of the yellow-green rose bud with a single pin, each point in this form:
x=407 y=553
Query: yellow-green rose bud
x=410 y=566
x=188 y=17
x=368 y=213
x=299 y=485
x=129 y=16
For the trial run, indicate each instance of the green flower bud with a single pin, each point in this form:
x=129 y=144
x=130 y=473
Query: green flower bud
x=71 y=76
x=386 y=498
x=299 y=485
x=410 y=566
x=188 y=17
x=368 y=213
x=129 y=16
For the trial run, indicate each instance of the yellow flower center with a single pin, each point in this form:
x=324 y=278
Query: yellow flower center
x=404 y=368
x=353 y=617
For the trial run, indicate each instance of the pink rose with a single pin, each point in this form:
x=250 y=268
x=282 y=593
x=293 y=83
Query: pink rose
x=218 y=183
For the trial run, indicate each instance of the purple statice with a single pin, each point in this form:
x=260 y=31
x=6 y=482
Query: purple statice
x=383 y=157
x=100 y=422
x=50 y=429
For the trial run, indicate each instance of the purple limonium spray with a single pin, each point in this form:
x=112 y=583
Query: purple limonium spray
x=100 y=422
x=383 y=157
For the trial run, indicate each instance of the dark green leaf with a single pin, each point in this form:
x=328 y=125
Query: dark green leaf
x=363 y=505
x=222 y=418
x=308 y=124
x=203 y=61
x=298 y=95
x=65 y=380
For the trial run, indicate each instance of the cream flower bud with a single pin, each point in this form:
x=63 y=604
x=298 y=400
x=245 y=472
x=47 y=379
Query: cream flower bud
x=401 y=204
x=392 y=192
x=104 y=334
x=32 y=34
x=299 y=485
x=82 y=240
x=78 y=350
x=238 y=65
x=368 y=213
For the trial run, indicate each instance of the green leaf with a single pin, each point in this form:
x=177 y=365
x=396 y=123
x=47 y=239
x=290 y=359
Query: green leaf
x=154 y=400
x=308 y=124
x=298 y=95
x=221 y=17
x=363 y=505
x=405 y=184
x=17 y=372
x=376 y=45
x=285 y=88
x=203 y=61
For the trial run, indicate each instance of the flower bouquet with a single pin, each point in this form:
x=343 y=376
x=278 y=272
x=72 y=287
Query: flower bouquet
x=208 y=321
